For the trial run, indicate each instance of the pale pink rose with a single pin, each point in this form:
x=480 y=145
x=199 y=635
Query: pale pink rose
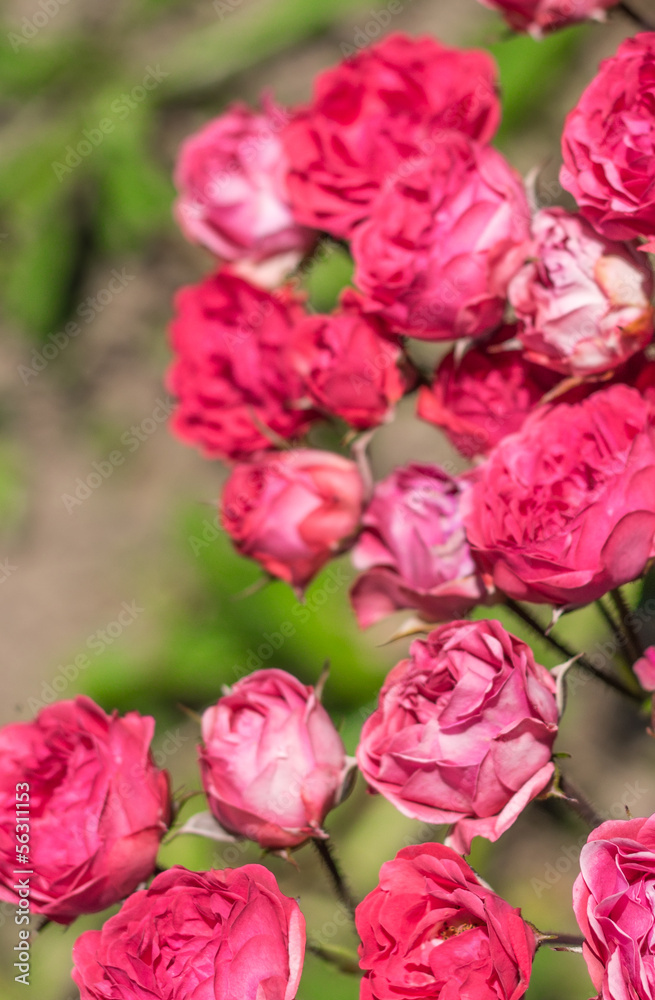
x=463 y=732
x=231 y=178
x=272 y=763
x=541 y=16
x=583 y=303
x=435 y=257
x=413 y=550
x=613 y=904
x=215 y=935
x=292 y=511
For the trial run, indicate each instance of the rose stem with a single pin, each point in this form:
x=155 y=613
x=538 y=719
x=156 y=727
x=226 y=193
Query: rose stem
x=345 y=961
x=557 y=940
x=615 y=629
x=579 y=803
x=526 y=617
x=624 y=613
x=634 y=16
x=327 y=857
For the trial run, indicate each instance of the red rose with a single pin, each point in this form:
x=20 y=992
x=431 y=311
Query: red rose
x=613 y=904
x=292 y=511
x=564 y=510
x=387 y=103
x=583 y=302
x=463 y=732
x=231 y=178
x=351 y=365
x=272 y=764
x=216 y=935
x=540 y=16
x=481 y=397
x=96 y=807
x=413 y=549
x=230 y=373
x=436 y=255
x=608 y=143
x=432 y=931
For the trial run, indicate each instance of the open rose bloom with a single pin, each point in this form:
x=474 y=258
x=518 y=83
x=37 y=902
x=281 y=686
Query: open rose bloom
x=432 y=931
x=98 y=807
x=216 y=935
x=541 y=16
x=464 y=731
x=272 y=763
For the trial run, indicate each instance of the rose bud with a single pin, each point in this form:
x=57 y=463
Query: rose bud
x=463 y=732
x=541 y=16
x=481 y=397
x=230 y=373
x=216 y=935
x=351 y=365
x=582 y=302
x=373 y=112
x=432 y=931
x=613 y=904
x=413 y=550
x=564 y=510
x=293 y=511
x=436 y=255
x=95 y=805
x=272 y=764
x=608 y=144
x=231 y=178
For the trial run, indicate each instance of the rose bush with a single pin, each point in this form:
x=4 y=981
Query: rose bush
x=216 y=935
x=463 y=732
x=432 y=931
x=272 y=763
x=98 y=807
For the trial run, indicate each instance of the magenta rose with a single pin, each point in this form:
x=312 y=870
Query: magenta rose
x=613 y=904
x=95 y=805
x=541 y=16
x=216 y=935
x=479 y=398
x=564 y=510
x=231 y=179
x=583 y=303
x=436 y=255
x=293 y=511
x=350 y=364
x=230 y=372
x=432 y=931
x=463 y=732
x=608 y=143
x=413 y=550
x=272 y=763
x=388 y=102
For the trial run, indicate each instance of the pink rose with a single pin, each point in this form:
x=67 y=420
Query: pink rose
x=540 y=16
x=436 y=255
x=565 y=509
x=413 y=550
x=293 y=511
x=481 y=397
x=272 y=764
x=231 y=178
x=351 y=365
x=216 y=935
x=613 y=904
x=387 y=103
x=432 y=931
x=95 y=804
x=608 y=143
x=463 y=732
x=582 y=302
x=644 y=669
x=230 y=372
